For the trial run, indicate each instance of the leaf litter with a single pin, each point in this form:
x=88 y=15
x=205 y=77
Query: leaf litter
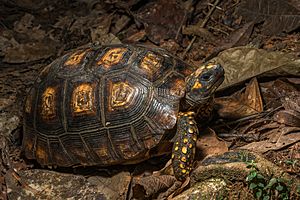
x=257 y=107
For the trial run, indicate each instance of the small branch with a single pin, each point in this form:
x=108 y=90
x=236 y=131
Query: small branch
x=201 y=26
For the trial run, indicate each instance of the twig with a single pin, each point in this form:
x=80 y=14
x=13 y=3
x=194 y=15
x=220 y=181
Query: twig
x=201 y=26
x=217 y=29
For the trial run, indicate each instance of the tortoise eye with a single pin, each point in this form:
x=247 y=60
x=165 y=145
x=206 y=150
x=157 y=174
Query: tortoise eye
x=206 y=76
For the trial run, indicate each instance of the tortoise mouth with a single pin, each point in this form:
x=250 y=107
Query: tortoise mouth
x=218 y=82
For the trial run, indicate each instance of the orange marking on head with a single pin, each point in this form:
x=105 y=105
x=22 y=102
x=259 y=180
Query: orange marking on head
x=197 y=85
x=83 y=99
x=48 y=105
x=112 y=57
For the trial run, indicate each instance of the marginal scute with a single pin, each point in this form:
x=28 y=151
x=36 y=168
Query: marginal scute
x=28 y=102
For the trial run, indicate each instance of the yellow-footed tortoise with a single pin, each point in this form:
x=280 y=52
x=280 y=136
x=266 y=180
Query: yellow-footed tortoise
x=111 y=105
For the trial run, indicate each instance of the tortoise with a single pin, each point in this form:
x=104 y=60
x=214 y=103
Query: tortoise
x=110 y=105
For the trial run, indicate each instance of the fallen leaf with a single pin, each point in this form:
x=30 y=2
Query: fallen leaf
x=286 y=136
x=151 y=186
x=288 y=117
x=242 y=63
x=239 y=37
x=29 y=52
x=277 y=15
x=241 y=104
x=209 y=144
x=159 y=24
x=199 y=31
x=120 y=24
x=136 y=37
x=101 y=29
x=281 y=93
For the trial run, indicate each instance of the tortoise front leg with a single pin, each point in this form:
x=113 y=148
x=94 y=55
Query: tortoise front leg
x=184 y=147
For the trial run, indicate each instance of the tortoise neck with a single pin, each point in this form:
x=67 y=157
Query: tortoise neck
x=187 y=104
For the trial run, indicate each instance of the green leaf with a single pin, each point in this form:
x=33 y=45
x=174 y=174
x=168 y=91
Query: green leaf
x=252 y=186
x=266 y=197
x=251 y=176
x=261 y=185
x=279 y=188
x=259 y=176
x=289 y=162
x=272 y=182
x=258 y=194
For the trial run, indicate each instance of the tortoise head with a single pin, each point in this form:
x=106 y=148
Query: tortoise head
x=202 y=83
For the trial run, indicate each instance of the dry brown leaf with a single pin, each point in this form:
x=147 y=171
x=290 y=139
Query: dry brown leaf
x=29 y=52
x=120 y=23
x=288 y=117
x=277 y=15
x=239 y=37
x=243 y=63
x=209 y=144
x=285 y=136
x=136 y=37
x=159 y=24
x=241 y=104
x=199 y=31
x=152 y=186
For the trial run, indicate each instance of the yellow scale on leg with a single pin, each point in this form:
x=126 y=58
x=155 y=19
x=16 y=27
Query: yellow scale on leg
x=184 y=145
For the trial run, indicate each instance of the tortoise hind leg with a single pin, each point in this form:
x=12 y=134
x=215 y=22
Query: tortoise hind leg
x=184 y=147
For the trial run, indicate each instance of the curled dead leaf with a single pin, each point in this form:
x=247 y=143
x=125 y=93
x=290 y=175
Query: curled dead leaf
x=243 y=63
x=241 y=104
x=153 y=186
x=209 y=144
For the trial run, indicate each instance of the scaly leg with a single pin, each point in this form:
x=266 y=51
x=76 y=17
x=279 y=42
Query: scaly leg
x=184 y=147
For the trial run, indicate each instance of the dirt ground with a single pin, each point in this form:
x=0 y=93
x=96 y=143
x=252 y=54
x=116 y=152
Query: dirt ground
x=257 y=41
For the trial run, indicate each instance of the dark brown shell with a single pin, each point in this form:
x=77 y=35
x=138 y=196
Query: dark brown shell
x=103 y=106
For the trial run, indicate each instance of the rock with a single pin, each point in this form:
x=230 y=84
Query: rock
x=45 y=184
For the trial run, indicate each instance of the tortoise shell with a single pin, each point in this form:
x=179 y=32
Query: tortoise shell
x=103 y=105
